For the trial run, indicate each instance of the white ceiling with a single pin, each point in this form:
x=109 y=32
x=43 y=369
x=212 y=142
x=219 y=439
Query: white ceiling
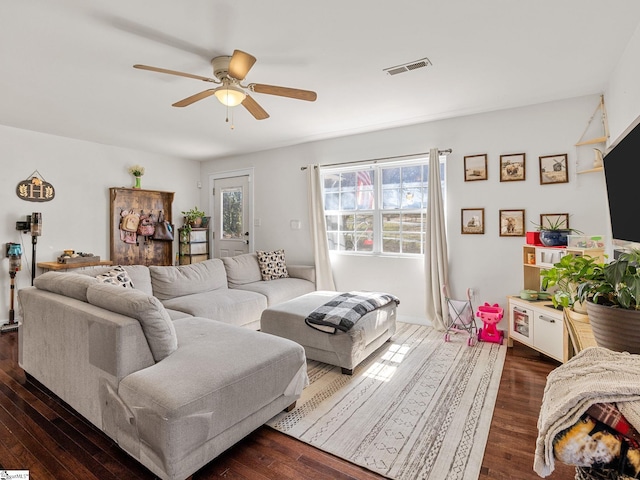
x=66 y=65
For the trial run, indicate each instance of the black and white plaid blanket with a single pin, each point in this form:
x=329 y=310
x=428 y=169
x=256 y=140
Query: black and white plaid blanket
x=343 y=311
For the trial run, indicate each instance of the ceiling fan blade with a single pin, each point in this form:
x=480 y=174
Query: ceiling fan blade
x=240 y=64
x=194 y=98
x=174 y=72
x=254 y=109
x=298 y=94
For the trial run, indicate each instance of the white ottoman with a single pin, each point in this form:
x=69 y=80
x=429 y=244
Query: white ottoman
x=344 y=349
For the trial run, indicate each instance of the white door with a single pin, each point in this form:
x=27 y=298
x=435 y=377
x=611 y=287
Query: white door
x=231 y=217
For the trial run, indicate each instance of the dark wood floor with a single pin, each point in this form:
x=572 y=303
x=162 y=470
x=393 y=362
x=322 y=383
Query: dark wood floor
x=41 y=434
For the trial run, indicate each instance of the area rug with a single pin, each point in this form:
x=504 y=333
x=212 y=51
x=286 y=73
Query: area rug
x=418 y=408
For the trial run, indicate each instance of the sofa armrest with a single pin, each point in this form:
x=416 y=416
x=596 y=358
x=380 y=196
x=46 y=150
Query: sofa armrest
x=72 y=347
x=305 y=272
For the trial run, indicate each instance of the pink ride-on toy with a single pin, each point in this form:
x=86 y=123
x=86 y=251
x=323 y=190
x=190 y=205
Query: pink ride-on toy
x=490 y=315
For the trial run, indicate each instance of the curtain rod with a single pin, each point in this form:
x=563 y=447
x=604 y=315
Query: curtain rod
x=374 y=160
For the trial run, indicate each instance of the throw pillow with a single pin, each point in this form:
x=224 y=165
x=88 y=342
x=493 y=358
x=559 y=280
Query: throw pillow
x=272 y=265
x=117 y=276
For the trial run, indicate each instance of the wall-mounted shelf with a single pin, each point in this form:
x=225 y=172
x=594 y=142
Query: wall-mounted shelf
x=594 y=134
x=591 y=170
x=603 y=131
x=592 y=141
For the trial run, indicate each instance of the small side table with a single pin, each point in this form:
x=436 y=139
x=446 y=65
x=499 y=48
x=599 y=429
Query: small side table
x=68 y=266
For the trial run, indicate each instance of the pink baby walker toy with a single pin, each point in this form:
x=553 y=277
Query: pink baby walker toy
x=490 y=315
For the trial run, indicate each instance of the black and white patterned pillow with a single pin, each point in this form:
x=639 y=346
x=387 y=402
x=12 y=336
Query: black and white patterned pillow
x=272 y=264
x=117 y=276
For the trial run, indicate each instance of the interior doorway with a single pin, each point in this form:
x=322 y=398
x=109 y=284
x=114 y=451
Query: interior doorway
x=232 y=219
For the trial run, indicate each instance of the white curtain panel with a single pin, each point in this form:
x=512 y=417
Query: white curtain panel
x=318 y=226
x=436 y=259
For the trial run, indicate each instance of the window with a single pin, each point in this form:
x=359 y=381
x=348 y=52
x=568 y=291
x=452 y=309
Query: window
x=377 y=208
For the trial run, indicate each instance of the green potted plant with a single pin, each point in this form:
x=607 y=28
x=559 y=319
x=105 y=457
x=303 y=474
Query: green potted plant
x=612 y=296
x=567 y=275
x=554 y=232
x=192 y=219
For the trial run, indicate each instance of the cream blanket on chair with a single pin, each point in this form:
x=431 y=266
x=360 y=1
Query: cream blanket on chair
x=595 y=375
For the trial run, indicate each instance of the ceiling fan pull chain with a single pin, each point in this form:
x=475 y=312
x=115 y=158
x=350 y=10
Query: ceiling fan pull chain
x=227 y=119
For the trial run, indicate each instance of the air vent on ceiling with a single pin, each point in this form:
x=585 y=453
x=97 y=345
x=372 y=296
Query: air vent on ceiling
x=407 y=67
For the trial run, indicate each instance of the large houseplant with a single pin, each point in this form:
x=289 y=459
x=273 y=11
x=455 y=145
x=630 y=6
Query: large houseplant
x=612 y=296
x=566 y=276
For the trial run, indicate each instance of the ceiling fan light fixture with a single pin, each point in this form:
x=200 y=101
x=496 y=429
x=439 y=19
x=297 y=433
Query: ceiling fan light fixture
x=230 y=95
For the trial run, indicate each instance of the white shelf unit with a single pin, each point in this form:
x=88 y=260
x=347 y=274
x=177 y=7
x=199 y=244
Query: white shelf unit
x=545 y=257
x=538 y=324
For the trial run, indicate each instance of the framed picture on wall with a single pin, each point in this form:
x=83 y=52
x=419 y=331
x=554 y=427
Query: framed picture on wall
x=512 y=167
x=512 y=223
x=472 y=221
x=554 y=221
x=553 y=169
x=475 y=167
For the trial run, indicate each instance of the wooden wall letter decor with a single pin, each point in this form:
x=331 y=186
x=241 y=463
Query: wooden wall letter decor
x=35 y=189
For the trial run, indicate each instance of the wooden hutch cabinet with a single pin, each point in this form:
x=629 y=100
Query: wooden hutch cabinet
x=145 y=251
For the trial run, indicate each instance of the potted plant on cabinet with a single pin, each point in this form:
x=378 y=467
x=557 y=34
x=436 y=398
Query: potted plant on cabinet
x=192 y=219
x=567 y=275
x=612 y=297
x=554 y=232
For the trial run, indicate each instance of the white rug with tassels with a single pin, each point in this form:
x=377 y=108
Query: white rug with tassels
x=418 y=408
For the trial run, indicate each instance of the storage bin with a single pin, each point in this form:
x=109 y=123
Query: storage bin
x=586 y=241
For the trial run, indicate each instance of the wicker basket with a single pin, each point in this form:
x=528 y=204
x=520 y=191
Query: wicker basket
x=585 y=473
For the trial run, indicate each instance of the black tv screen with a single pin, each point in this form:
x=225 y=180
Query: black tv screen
x=622 y=176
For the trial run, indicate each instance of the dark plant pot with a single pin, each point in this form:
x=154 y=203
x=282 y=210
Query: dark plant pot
x=615 y=328
x=554 y=238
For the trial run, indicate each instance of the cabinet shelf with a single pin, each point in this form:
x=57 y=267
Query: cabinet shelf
x=536 y=323
x=194 y=245
x=545 y=257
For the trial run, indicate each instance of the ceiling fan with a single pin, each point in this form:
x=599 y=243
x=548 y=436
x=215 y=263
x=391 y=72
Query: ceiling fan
x=228 y=73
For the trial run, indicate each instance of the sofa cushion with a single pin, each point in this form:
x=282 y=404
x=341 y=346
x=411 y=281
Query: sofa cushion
x=139 y=274
x=117 y=276
x=236 y=307
x=154 y=320
x=170 y=282
x=69 y=284
x=272 y=264
x=242 y=269
x=280 y=290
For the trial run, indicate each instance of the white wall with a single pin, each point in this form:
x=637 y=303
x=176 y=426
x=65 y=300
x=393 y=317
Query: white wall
x=491 y=264
x=622 y=96
x=81 y=173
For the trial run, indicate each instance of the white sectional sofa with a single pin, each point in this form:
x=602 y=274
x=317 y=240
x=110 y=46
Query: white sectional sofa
x=165 y=369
